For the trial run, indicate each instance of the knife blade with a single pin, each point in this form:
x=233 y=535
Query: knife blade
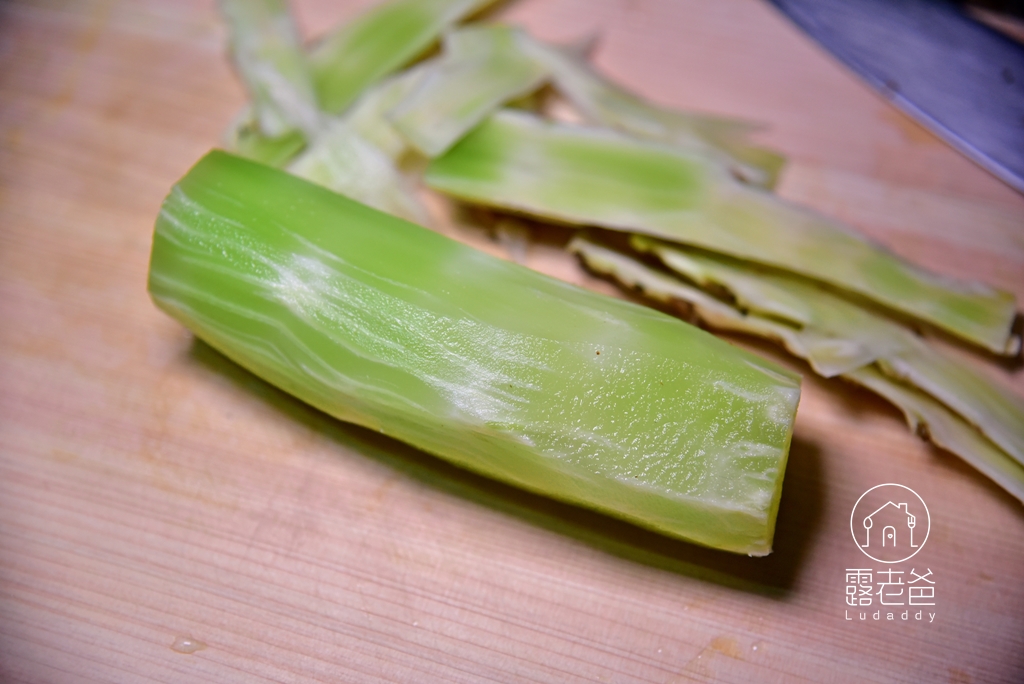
x=960 y=78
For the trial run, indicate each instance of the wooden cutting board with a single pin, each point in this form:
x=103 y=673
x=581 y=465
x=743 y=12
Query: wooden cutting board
x=155 y=497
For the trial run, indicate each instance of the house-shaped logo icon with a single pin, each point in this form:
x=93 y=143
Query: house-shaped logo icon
x=890 y=526
x=890 y=523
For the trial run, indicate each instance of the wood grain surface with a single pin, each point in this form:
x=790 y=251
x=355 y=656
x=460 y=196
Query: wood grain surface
x=155 y=498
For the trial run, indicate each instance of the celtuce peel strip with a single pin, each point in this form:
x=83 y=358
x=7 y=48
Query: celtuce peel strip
x=268 y=55
x=993 y=410
x=667 y=289
x=482 y=362
x=925 y=414
x=930 y=419
x=836 y=335
x=358 y=154
x=482 y=68
x=594 y=177
x=368 y=116
x=342 y=66
x=607 y=104
x=344 y=161
x=379 y=42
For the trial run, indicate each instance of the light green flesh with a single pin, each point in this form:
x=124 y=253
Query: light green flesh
x=477 y=360
x=595 y=177
x=481 y=69
x=839 y=336
x=267 y=53
x=944 y=427
x=379 y=42
x=604 y=103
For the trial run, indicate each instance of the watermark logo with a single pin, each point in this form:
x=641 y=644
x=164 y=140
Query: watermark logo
x=890 y=523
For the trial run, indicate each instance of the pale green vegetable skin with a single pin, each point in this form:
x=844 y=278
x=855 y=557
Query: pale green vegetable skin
x=344 y=161
x=482 y=68
x=368 y=116
x=482 y=362
x=346 y=62
x=379 y=42
x=595 y=177
x=357 y=154
x=992 y=409
x=266 y=50
x=946 y=429
x=268 y=55
x=602 y=102
x=834 y=334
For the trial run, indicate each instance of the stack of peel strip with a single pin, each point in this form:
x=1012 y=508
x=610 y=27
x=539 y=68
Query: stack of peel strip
x=345 y=115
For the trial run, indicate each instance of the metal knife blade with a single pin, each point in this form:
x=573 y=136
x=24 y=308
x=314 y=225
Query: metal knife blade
x=962 y=79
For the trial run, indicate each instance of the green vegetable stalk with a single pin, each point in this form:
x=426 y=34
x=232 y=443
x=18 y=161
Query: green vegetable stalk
x=479 y=361
x=595 y=177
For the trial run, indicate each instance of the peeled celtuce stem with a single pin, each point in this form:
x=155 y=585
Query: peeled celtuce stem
x=480 y=361
x=680 y=184
x=595 y=177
